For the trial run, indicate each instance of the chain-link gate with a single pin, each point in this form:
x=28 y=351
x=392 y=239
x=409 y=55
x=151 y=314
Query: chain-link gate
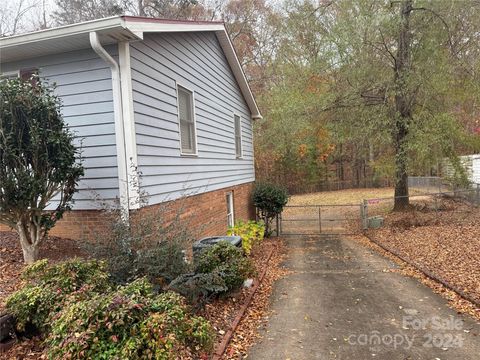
x=320 y=219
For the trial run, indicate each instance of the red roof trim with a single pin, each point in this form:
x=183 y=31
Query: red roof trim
x=169 y=21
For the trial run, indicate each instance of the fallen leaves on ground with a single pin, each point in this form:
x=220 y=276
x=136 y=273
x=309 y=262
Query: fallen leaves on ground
x=11 y=266
x=257 y=314
x=445 y=243
x=220 y=313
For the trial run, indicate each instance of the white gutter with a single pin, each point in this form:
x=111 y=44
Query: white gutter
x=119 y=127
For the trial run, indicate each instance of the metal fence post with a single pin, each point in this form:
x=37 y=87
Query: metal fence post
x=320 y=219
x=478 y=194
x=365 y=214
x=278 y=225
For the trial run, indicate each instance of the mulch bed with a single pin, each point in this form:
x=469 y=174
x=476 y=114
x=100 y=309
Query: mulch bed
x=445 y=243
x=11 y=258
x=220 y=313
x=11 y=265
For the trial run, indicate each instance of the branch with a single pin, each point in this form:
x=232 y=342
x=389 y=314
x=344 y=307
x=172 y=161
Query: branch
x=441 y=19
x=388 y=50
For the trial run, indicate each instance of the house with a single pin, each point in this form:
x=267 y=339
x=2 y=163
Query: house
x=471 y=164
x=165 y=99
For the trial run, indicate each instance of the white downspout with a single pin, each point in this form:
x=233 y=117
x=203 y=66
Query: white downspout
x=119 y=127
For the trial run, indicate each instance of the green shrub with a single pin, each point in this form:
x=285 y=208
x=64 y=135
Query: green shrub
x=269 y=199
x=199 y=288
x=219 y=270
x=228 y=262
x=148 y=246
x=129 y=323
x=251 y=232
x=50 y=287
x=38 y=161
x=161 y=263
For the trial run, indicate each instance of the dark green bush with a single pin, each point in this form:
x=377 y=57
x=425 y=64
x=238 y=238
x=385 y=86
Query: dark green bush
x=162 y=263
x=50 y=287
x=199 y=288
x=228 y=261
x=270 y=200
x=129 y=323
x=38 y=161
x=219 y=270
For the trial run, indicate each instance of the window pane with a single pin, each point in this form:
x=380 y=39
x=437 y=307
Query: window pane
x=8 y=76
x=184 y=105
x=187 y=125
x=230 y=214
x=238 y=136
x=185 y=136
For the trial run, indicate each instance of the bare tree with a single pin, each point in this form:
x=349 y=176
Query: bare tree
x=73 y=11
x=14 y=15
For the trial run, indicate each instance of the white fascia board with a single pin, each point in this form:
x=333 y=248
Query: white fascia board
x=63 y=31
x=136 y=26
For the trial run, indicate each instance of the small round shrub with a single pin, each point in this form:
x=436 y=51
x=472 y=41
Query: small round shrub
x=49 y=287
x=227 y=261
x=129 y=323
x=270 y=200
x=219 y=270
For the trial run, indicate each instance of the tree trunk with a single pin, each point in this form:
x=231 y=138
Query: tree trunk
x=30 y=242
x=403 y=106
x=141 y=8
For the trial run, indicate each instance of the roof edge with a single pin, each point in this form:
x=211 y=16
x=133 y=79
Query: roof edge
x=64 y=30
x=135 y=26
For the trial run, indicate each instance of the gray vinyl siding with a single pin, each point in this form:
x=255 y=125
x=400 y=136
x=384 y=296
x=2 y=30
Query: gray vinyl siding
x=84 y=85
x=195 y=61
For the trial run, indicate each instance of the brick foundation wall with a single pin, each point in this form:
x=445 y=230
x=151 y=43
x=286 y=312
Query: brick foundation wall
x=205 y=215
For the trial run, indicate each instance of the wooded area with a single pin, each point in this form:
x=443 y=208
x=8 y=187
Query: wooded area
x=352 y=92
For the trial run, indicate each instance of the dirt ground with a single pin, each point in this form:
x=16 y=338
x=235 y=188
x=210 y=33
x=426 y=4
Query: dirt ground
x=445 y=243
x=350 y=196
x=11 y=259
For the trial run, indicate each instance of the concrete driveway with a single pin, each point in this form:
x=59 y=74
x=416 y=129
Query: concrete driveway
x=340 y=303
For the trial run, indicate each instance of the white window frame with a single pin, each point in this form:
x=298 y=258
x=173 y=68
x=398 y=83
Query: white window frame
x=8 y=74
x=195 y=153
x=238 y=156
x=230 y=209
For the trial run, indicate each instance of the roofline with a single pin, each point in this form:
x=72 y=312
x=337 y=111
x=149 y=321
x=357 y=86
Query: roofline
x=169 y=21
x=64 y=30
x=135 y=26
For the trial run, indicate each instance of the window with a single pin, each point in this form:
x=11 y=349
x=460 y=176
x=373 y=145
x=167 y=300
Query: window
x=238 y=136
x=186 y=119
x=24 y=74
x=230 y=215
x=9 y=75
